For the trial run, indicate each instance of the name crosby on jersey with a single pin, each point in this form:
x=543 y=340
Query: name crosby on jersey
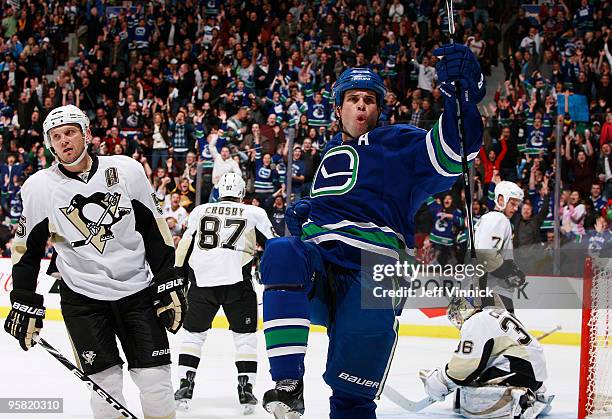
x=222 y=210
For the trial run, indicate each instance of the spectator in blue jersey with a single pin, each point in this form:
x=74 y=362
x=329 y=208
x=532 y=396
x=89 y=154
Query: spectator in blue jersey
x=311 y=159
x=597 y=198
x=447 y=222
x=298 y=173
x=182 y=139
x=266 y=177
x=277 y=213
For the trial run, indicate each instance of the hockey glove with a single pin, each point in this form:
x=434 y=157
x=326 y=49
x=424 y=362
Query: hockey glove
x=458 y=63
x=510 y=273
x=516 y=280
x=168 y=291
x=26 y=317
x=437 y=384
x=296 y=215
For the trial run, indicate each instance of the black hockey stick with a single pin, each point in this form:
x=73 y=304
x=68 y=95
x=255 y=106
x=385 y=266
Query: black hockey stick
x=81 y=375
x=463 y=152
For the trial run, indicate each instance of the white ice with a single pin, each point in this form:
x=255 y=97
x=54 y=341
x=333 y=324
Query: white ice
x=36 y=374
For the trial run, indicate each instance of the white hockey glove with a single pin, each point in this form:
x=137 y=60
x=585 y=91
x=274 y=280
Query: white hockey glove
x=169 y=300
x=437 y=384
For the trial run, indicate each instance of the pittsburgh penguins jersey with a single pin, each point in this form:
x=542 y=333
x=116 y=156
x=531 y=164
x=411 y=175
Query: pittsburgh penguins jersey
x=367 y=191
x=107 y=229
x=493 y=243
x=495 y=344
x=220 y=241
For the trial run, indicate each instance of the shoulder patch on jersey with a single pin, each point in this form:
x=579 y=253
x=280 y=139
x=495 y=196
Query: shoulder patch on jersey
x=94 y=216
x=21 y=227
x=337 y=173
x=112 y=176
x=157 y=203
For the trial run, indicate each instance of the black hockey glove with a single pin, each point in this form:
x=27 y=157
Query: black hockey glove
x=168 y=292
x=516 y=280
x=510 y=273
x=26 y=317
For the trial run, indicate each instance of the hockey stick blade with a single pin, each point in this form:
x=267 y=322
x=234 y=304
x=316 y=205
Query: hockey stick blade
x=550 y=332
x=406 y=404
x=83 y=377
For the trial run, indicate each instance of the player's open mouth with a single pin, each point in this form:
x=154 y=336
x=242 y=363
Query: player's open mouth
x=66 y=150
x=361 y=119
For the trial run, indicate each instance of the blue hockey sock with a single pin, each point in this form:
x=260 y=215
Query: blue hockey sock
x=347 y=406
x=286 y=326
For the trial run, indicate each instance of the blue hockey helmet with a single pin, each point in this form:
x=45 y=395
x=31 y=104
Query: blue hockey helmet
x=359 y=78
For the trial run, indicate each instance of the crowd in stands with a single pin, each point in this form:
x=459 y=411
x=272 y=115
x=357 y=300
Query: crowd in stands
x=195 y=89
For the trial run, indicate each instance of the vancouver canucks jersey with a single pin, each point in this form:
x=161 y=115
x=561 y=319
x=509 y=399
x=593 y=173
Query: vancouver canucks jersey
x=494 y=344
x=108 y=229
x=367 y=190
x=221 y=240
x=446 y=225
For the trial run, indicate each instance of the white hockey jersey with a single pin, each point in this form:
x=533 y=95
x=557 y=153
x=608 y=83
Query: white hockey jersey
x=494 y=344
x=493 y=231
x=107 y=231
x=220 y=240
x=493 y=243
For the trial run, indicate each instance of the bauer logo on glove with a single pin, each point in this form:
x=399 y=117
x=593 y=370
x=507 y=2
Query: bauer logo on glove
x=169 y=299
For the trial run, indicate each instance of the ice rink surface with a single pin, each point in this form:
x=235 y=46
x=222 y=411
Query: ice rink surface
x=37 y=374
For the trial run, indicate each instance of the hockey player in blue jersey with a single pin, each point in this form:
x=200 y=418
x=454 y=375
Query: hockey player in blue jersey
x=364 y=196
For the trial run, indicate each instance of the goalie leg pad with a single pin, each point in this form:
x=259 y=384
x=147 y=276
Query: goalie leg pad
x=491 y=402
x=111 y=380
x=156 y=394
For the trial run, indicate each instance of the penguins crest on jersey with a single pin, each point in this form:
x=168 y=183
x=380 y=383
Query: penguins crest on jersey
x=93 y=224
x=94 y=216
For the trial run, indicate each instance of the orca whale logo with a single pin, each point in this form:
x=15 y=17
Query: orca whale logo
x=337 y=173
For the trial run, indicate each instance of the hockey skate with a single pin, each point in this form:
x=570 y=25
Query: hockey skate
x=245 y=395
x=183 y=395
x=286 y=400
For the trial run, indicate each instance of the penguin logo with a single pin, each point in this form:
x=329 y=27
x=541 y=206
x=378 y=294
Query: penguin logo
x=94 y=216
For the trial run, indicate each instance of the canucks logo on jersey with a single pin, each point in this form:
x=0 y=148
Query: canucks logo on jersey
x=337 y=173
x=94 y=216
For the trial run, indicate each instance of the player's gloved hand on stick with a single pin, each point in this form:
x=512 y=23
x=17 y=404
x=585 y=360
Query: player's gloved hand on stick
x=437 y=384
x=168 y=291
x=458 y=63
x=26 y=317
x=296 y=215
x=516 y=279
x=511 y=273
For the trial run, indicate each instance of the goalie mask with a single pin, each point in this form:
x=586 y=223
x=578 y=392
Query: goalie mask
x=65 y=115
x=459 y=310
x=231 y=185
x=507 y=190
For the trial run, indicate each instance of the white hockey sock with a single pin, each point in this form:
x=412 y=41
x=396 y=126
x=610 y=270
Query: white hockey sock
x=190 y=352
x=246 y=354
